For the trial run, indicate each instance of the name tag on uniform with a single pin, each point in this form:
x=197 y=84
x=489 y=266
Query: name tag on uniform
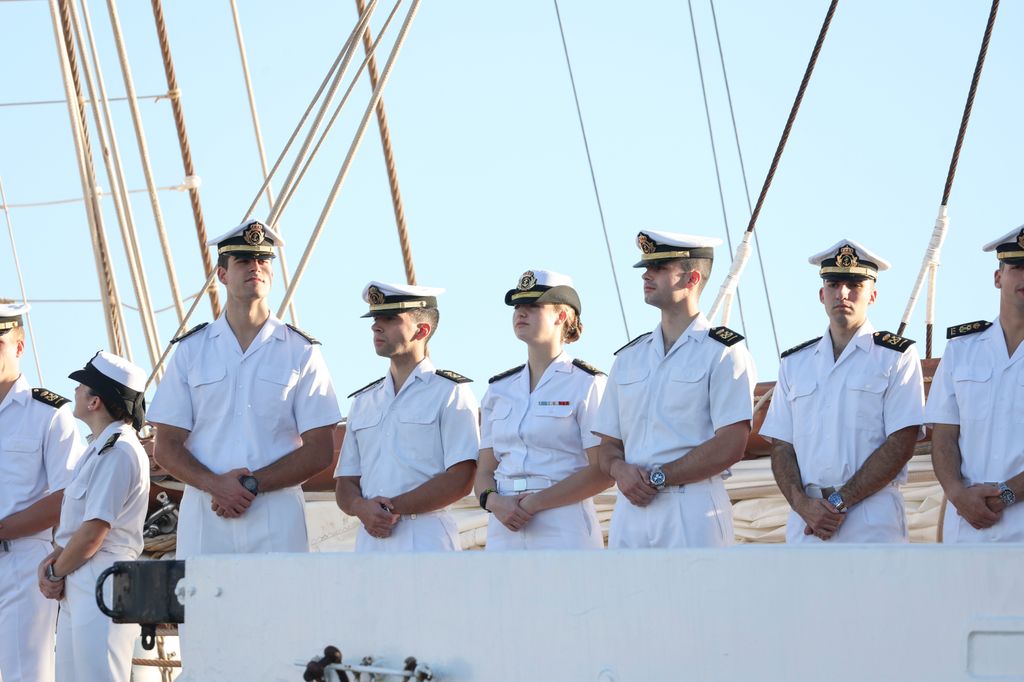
x=545 y=403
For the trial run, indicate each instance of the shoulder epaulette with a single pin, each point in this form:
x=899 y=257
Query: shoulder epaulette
x=587 y=367
x=892 y=341
x=312 y=341
x=797 y=349
x=968 y=328
x=506 y=373
x=452 y=376
x=367 y=386
x=636 y=340
x=49 y=397
x=190 y=332
x=110 y=443
x=725 y=335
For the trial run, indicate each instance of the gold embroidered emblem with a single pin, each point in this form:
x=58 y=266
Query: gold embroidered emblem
x=527 y=281
x=646 y=244
x=847 y=257
x=1020 y=239
x=375 y=295
x=255 y=234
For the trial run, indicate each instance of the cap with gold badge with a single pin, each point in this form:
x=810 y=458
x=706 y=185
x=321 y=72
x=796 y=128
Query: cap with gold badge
x=847 y=260
x=10 y=316
x=658 y=247
x=544 y=287
x=387 y=299
x=251 y=239
x=1010 y=247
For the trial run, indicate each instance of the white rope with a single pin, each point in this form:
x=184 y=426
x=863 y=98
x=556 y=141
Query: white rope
x=930 y=260
x=99 y=192
x=21 y=281
x=159 y=366
x=115 y=175
x=38 y=102
x=929 y=312
x=353 y=148
x=732 y=280
x=111 y=300
x=147 y=170
x=260 y=148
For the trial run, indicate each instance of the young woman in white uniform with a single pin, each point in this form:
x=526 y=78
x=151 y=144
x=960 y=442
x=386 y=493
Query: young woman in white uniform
x=100 y=522
x=537 y=472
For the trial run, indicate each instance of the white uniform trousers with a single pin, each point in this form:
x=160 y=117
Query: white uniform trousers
x=28 y=620
x=1010 y=528
x=430 y=532
x=274 y=522
x=878 y=518
x=694 y=515
x=91 y=647
x=573 y=526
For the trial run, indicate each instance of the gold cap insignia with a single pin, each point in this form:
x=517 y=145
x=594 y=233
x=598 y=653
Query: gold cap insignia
x=646 y=244
x=375 y=295
x=254 y=235
x=847 y=257
x=527 y=281
x=1020 y=239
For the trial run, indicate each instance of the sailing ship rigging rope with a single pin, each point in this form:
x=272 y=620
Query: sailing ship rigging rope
x=593 y=176
x=743 y=250
x=21 y=279
x=930 y=262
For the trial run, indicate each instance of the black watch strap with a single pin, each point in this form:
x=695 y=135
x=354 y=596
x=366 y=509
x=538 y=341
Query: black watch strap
x=483 y=499
x=250 y=483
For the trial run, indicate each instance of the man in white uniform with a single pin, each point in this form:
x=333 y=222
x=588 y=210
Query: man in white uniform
x=975 y=408
x=676 y=412
x=244 y=414
x=39 y=446
x=412 y=436
x=846 y=412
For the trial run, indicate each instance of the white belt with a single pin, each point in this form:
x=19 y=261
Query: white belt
x=684 y=486
x=522 y=484
x=823 y=491
x=422 y=515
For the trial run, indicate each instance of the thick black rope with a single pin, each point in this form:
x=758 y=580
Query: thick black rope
x=792 y=114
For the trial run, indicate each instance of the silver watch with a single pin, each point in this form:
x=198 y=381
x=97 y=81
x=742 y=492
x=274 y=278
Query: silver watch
x=1006 y=495
x=657 y=477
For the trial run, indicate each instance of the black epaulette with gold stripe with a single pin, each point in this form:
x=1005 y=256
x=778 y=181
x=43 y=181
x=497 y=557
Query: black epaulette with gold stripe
x=310 y=339
x=798 y=348
x=452 y=376
x=505 y=374
x=49 y=397
x=636 y=340
x=725 y=335
x=967 y=328
x=364 y=388
x=587 y=367
x=892 y=341
x=110 y=443
x=190 y=332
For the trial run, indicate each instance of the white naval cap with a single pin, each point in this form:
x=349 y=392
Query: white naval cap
x=848 y=260
x=544 y=287
x=386 y=298
x=116 y=380
x=10 y=315
x=661 y=246
x=1010 y=247
x=251 y=237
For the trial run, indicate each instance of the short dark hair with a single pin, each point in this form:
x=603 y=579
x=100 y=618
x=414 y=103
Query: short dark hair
x=429 y=316
x=701 y=265
x=117 y=411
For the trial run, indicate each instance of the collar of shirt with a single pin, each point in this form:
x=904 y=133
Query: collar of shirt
x=697 y=331
x=19 y=393
x=420 y=372
x=272 y=328
x=98 y=441
x=862 y=340
x=561 y=364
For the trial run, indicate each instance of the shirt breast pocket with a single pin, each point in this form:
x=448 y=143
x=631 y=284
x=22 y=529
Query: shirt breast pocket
x=973 y=386
x=211 y=396
x=869 y=395
x=273 y=391
x=419 y=434
x=20 y=458
x=687 y=394
x=631 y=386
x=803 y=397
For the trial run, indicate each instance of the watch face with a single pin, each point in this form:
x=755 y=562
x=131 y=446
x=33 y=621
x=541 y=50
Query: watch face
x=657 y=478
x=249 y=483
x=836 y=500
x=1007 y=496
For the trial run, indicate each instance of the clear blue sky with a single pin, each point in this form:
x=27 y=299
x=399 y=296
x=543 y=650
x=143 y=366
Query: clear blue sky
x=493 y=169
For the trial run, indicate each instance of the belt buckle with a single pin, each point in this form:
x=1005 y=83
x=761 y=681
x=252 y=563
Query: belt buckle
x=519 y=485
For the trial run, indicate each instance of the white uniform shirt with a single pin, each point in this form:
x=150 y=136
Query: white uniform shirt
x=662 y=405
x=980 y=388
x=245 y=409
x=836 y=413
x=544 y=433
x=112 y=486
x=39 y=446
x=396 y=443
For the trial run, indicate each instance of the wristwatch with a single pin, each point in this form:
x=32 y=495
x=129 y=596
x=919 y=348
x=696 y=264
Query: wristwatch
x=836 y=500
x=250 y=483
x=483 y=499
x=1006 y=495
x=657 y=478
x=51 y=576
